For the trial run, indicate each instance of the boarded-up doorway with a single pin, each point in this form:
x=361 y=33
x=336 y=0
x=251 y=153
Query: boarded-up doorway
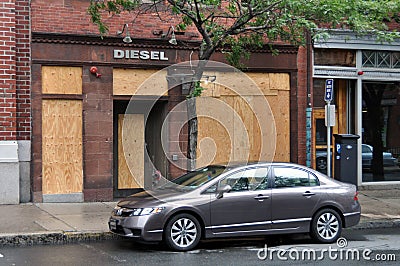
x=62 y=150
x=130 y=151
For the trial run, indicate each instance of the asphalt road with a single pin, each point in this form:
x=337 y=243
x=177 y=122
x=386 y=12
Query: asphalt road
x=358 y=247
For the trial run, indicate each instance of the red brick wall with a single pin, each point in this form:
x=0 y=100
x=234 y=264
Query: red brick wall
x=70 y=16
x=14 y=70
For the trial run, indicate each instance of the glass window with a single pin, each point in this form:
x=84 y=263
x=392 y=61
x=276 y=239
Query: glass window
x=250 y=179
x=380 y=130
x=292 y=177
x=381 y=59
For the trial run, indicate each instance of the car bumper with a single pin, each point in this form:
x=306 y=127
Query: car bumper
x=138 y=227
x=352 y=219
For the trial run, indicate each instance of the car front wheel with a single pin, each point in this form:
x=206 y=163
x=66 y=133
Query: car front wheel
x=182 y=232
x=326 y=226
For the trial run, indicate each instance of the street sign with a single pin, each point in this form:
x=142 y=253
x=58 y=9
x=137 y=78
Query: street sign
x=330 y=115
x=328 y=90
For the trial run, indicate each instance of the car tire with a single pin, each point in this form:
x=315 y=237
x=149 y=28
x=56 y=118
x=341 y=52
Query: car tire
x=321 y=163
x=182 y=232
x=326 y=226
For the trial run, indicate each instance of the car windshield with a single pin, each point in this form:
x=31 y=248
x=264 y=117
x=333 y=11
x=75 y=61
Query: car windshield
x=196 y=178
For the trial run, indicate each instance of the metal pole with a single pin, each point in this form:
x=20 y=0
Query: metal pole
x=328 y=140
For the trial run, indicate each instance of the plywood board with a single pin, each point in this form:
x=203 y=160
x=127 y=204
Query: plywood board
x=139 y=82
x=280 y=106
x=256 y=127
x=61 y=80
x=215 y=120
x=130 y=151
x=62 y=146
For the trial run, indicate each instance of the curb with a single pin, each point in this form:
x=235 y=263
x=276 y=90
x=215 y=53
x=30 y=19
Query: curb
x=61 y=238
x=377 y=224
x=53 y=238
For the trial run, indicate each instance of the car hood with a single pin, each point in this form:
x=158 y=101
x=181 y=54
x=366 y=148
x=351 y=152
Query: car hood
x=151 y=198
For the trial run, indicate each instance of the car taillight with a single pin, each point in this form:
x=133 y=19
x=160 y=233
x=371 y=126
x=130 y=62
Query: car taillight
x=356 y=196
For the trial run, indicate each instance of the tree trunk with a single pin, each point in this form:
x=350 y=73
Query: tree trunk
x=193 y=130
x=192 y=115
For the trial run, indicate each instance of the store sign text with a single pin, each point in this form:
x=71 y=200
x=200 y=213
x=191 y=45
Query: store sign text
x=140 y=54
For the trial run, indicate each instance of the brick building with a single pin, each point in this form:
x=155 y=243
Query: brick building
x=15 y=101
x=66 y=122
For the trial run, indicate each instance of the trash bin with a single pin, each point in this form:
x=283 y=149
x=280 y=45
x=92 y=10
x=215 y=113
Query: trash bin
x=345 y=154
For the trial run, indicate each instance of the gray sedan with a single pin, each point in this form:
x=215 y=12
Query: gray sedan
x=236 y=201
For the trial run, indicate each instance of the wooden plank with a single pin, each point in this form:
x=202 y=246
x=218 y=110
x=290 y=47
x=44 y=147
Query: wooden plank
x=62 y=166
x=341 y=108
x=61 y=80
x=139 y=82
x=243 y=133
x=130 y=151
x=280 y=106
x=215 y=123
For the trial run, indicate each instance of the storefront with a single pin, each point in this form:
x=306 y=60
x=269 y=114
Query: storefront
x=81 y=96
x=366 y=74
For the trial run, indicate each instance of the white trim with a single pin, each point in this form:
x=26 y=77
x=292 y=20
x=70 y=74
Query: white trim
x=156 y=231
x=351 y=213
x=380 y=183
x=259 y=223
x=291 y=220
x=237 y=225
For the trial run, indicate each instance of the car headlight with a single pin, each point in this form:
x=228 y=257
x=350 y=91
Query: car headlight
x=121 y=211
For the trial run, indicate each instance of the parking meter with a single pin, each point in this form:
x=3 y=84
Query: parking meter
x=345 y=154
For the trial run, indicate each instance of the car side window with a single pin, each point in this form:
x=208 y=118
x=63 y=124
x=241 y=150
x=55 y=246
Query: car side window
x=292 y=177
x=250 y=179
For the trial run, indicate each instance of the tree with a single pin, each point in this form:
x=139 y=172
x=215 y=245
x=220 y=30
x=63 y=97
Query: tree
x=237 y=25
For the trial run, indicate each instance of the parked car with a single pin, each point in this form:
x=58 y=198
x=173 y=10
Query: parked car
x=236 y=201
x=366 y=153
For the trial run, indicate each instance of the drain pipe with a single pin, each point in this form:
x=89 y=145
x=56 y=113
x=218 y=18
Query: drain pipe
x=309 y=102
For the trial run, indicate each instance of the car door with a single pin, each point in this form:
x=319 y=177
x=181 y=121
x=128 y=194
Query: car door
x=246 y=209
x=295 y=196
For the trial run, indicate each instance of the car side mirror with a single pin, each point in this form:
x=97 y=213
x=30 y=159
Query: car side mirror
x=222 y=190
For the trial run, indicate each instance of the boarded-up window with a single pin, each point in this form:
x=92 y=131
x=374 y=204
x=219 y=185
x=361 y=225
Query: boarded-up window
x=61 y=80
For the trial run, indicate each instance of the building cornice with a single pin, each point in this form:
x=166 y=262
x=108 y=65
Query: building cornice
x=74 y=39
x=345 y=39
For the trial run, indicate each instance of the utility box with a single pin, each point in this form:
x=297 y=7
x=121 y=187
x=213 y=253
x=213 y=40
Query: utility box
x=345 y=153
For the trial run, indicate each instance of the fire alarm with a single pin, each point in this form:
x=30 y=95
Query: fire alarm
x=94 y=71
x=360 y=73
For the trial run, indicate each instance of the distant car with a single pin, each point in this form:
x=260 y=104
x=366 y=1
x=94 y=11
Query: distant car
x=237 y=201
x=366 y=153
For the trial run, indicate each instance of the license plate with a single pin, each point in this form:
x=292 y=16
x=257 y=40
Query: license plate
x=113 y=224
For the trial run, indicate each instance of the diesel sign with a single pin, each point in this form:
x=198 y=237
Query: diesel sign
x=140 y=54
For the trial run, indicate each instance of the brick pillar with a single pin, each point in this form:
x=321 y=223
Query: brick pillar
x=14 y=101
x=178 y=139
x=98 y=135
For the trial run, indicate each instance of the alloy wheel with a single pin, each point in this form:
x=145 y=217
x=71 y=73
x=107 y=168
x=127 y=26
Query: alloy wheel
x=328 y=226
x=183 y=232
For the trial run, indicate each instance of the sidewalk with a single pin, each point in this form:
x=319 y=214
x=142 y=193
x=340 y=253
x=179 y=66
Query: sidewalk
x=59 y=223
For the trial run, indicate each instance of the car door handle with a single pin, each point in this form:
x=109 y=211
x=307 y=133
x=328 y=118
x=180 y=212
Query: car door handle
x=308 y=194
x=261 y=197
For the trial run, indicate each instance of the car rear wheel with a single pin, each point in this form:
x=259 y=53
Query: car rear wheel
x=326 y=226
x=182 y=232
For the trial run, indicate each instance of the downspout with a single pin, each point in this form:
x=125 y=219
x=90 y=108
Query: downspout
x=309 y=102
